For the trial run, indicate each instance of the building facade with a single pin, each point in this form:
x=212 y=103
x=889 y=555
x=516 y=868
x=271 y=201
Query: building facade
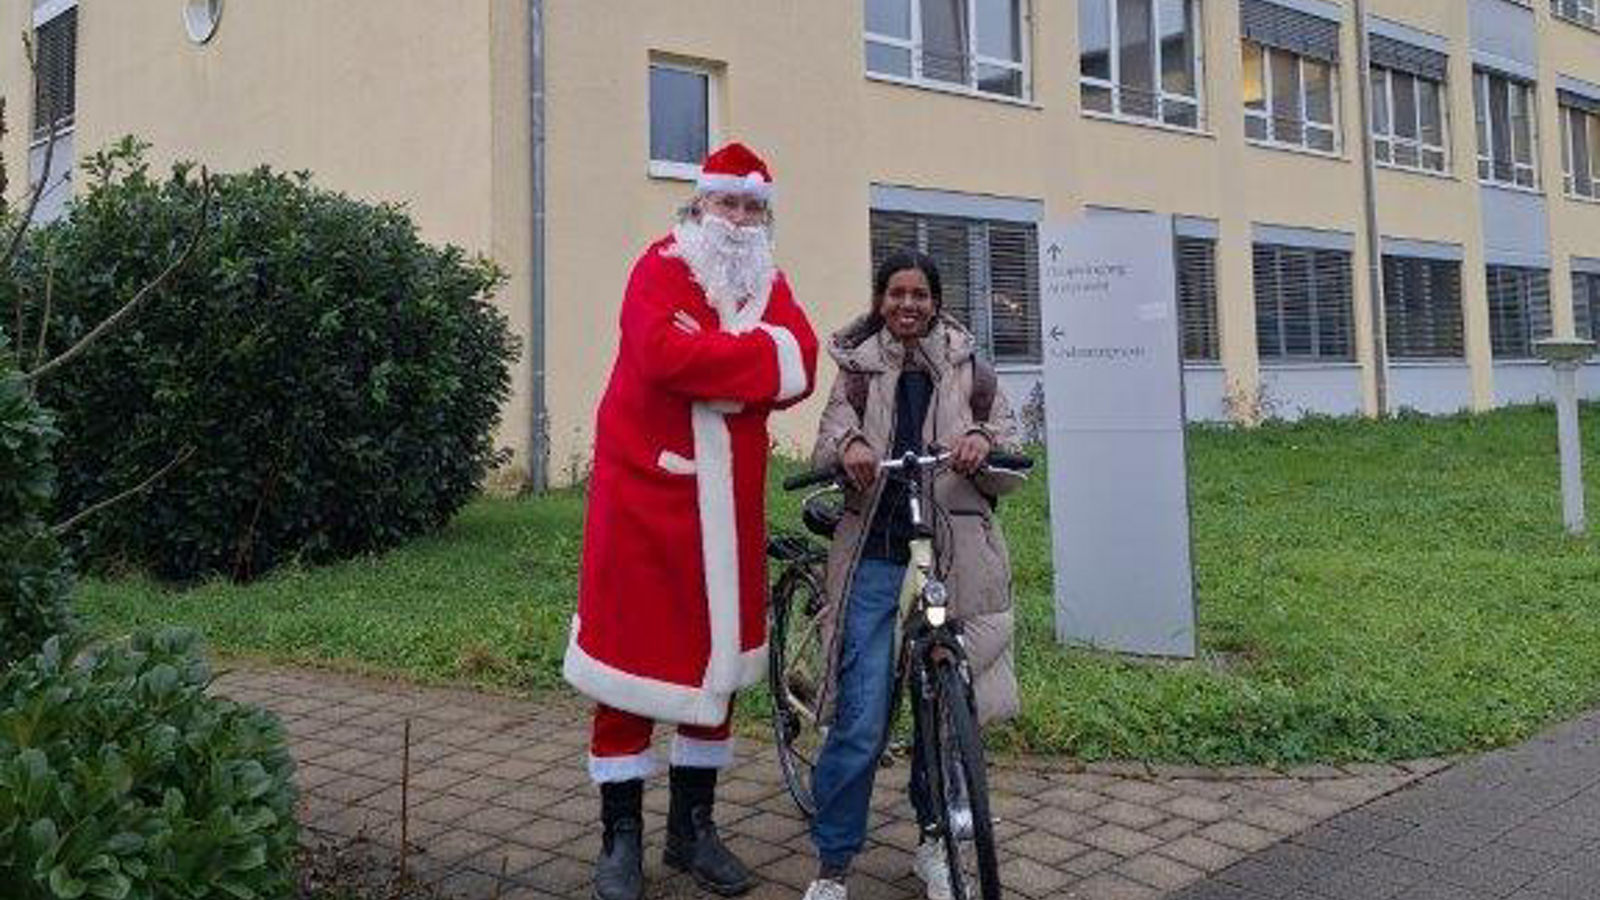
x=557 y=136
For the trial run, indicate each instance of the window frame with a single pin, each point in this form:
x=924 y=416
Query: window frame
x=1268 y=116
x=1581 y=8
x=1391 y=139
x=1113 y=85
x=1430 y=306
x=1208 y=332
x=1316 y=311
x=1483 y=83
x=970 y=85
x=1570 y=136
x=1528 y=322
x=61 y=126
x=711 y=72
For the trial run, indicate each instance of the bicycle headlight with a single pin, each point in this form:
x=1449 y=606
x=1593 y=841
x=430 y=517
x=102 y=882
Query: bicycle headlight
x=935 y=594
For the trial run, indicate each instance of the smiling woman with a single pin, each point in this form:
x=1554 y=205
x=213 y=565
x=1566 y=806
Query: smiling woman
x=200 y=18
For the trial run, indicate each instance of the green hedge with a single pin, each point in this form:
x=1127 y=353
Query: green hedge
x=338 y=379
x=35 y=577
x=121 y=778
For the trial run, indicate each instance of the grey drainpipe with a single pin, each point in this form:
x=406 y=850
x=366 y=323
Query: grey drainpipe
x=539 y=440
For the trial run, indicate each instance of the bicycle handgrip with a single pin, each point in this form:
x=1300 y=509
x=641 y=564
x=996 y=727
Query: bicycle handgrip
x=1002 y=460
x=807 y=479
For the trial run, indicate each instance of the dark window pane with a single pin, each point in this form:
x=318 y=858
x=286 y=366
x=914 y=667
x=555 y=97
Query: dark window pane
x=1094 y=39
x=1000 y=29
x=1136 y=54
x=1177 y=47
x=1405 y=105
x=944 y=40
x=1286 y=113
x=996 y=80
x=890 y=18
x=1096 y=98
x=678 y=115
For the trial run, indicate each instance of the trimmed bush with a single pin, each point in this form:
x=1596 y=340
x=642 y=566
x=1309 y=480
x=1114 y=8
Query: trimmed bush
x=338 y=379
x=35 y=576
x=120 y=777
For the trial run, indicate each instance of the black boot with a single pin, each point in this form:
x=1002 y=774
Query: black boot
x=693 y=844
x=619 y=872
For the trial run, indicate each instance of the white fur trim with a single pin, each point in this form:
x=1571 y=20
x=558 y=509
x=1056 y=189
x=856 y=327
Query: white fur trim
x=791 y=365
x=638 y=694
x=606 y=769
x=726 y=407
x=719 y=545
x=752 y=184
x=753 y=666
x=748 y=316
x=688 y=751
x=675 y=464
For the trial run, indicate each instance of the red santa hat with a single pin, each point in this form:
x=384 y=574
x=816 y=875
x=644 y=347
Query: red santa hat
x=735 y=169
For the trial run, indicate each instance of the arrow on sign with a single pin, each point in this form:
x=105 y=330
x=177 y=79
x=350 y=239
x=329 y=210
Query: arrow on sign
x=1056 y=333
x=1055 y=252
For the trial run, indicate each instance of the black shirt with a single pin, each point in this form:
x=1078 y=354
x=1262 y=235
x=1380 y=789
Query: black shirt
x=889 y=537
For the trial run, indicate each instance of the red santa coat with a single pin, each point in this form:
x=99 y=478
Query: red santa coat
x=671 y=613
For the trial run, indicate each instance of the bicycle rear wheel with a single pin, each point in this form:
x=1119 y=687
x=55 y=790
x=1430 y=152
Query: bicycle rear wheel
x=794 y=677
x=962 y=797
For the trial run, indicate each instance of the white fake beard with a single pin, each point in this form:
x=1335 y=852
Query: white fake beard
x=732 y=263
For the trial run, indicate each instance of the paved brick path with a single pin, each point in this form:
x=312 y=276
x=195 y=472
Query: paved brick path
x=1520 y=823
x=499 y=785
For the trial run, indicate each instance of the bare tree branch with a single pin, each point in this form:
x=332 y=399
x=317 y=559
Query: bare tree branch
x=39 y=189
x=44 y=321
x=142 y=486
x=127 y=309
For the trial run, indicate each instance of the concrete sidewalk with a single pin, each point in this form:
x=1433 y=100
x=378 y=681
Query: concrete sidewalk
x=1520 y=823
x=501 y=805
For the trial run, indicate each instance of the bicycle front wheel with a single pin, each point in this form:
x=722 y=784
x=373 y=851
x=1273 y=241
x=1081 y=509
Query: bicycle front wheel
x=794 y=676
x=963 y=798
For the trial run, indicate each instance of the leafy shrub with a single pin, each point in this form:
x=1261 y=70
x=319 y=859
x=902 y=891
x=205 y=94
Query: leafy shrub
x=338 y=379
x=35 y=577
x=121 y=778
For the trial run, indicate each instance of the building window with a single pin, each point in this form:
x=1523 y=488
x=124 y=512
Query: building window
x=1586 y=305
x=978 y=45
x=682 y=118
x=1422 y=308
x=1303 y=304
x=1580 y=146
x=1290 y=99
x=1141 y=59
x=1519 y=310
x=1506 y=132
x=55 y=95
x=1408 y=121
x=1584 y=12
x=1197 y=298
x=990 y=273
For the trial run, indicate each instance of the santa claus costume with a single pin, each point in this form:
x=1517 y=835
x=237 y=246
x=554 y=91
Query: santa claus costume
x=671 y=617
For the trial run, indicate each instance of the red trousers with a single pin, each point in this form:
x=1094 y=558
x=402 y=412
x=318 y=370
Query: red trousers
x=619 y=745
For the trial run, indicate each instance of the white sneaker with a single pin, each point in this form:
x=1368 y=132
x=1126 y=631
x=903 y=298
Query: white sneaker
x=825 y=889
x=933 y=868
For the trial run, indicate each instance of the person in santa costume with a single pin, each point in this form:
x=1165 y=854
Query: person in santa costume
x=671 y=617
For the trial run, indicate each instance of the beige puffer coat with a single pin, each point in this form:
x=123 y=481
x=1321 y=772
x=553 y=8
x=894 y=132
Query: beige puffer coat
x=972 y=556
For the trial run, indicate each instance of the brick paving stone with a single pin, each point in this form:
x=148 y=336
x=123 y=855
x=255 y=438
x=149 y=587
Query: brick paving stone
x=1275 y=819
x=1172 y=829
x=1072 y=798
x=1129 y=815
x=1030 y=878
x=1199 y=808
x=1086 y=864
x=1060 y=822
x=1159 y=871
x=1108 y=886
x=1200 y=853
x=1043 y=847
x=445 y=809
x=1143 y=792
x=1124 y=842
x=482 y=788
x=1238 y=835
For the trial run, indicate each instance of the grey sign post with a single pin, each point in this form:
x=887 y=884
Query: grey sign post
x=1119 y=503
x=1565 y=356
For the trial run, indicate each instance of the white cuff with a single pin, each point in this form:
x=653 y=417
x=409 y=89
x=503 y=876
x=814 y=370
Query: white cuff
x=687 y=751
x=606 y=769
x=791 y=365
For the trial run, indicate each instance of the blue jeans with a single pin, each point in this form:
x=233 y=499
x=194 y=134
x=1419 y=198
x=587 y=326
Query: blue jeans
x=841 y=783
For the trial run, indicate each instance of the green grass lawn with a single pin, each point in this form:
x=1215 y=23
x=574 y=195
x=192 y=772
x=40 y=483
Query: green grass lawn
x=1366 y=591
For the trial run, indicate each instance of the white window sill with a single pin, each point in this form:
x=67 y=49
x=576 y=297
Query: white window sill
x=1203 y=365
x=674 y=171
x=1446 y=175
x=1513 y=188
x=1576 y=23
x=1518 y=362
x=1291 y=365
x=1155 y=124
x=954 y=90
x=62 y=134
x=1333 y=156
x=1437 y=362
x=1579 y=198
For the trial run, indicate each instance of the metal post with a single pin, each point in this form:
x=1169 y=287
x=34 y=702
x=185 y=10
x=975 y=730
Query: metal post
x=1567 y=437
x=1380 y=351
x=539 y=438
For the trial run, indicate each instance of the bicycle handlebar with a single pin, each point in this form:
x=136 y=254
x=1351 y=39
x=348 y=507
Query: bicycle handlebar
x=997 y=459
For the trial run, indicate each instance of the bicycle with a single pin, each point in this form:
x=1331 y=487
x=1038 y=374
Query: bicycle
x=931 y=661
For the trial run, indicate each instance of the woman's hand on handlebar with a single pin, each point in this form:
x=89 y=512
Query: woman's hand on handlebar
x=970 y=453
x=860 y=464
